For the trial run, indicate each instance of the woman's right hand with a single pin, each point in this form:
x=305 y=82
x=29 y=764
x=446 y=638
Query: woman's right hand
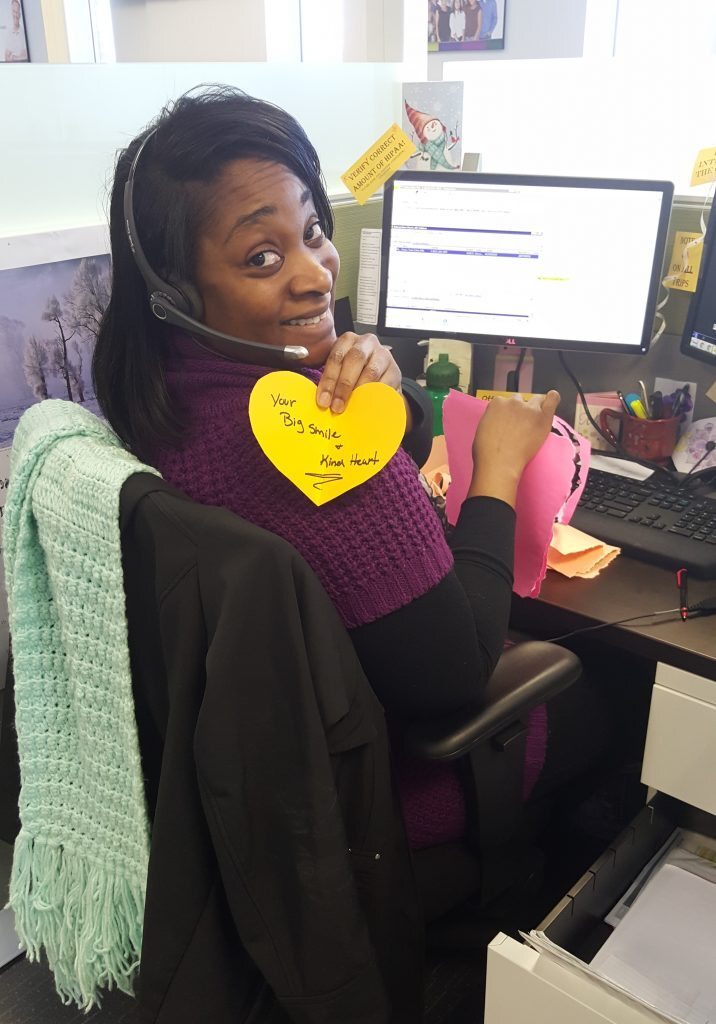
x=509 y=435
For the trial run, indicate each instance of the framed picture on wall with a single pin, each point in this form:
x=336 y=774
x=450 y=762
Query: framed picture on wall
x=13 y=40
x=466 y=25
x=54 y=289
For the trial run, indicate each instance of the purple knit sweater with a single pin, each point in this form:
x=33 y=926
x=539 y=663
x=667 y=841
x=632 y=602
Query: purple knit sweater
x=371 y=554
x=374 y=549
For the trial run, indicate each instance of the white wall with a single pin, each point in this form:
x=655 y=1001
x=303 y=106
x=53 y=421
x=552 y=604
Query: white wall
x=182 y=30
x=548 y=28
x=605 y=117
x=61 y=139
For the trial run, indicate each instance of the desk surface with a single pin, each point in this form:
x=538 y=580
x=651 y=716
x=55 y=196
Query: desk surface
x=625 y=588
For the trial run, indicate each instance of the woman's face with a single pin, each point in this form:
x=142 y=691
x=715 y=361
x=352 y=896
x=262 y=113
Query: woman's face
x=264 y=268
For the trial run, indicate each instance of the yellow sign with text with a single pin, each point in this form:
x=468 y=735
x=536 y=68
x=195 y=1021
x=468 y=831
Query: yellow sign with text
x=685 y=261
x=704 y=167
x=322 y=453
x=379 y=161
x=486 y=394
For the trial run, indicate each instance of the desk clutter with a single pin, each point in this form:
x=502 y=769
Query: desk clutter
x=547 y=498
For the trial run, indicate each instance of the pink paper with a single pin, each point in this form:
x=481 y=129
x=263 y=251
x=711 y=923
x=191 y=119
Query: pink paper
x=549 y=490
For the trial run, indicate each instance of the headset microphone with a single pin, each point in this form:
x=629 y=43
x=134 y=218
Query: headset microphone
x=178 y=303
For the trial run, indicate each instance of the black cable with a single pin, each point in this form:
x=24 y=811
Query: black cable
x=686 y=482
x=705 y=607
x=611 y=441
x=512 y=381
x=615 y=622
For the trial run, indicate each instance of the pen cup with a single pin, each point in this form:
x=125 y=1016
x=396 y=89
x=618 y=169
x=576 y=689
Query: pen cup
x=653 y=440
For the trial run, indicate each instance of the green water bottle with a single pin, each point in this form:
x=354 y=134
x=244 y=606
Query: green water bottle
x=440 y=376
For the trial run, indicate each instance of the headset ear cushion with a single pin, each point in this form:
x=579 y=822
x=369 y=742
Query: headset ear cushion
x=193 y=306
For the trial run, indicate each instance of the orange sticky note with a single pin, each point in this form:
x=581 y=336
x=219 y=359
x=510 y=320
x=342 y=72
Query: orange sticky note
x=379 y=161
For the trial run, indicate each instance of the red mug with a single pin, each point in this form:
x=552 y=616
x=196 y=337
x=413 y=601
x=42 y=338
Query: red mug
x=653 y=440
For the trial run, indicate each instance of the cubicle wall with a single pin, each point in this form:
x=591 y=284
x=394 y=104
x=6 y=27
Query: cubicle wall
x=62 y=124
x=66 y=123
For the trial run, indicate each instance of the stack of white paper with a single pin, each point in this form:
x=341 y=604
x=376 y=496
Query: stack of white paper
x=664 y=950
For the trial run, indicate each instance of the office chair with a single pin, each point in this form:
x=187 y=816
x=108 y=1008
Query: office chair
x=487 y=747
x=487 y=744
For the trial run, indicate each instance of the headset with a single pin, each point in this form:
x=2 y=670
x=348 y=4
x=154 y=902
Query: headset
x=179 y=303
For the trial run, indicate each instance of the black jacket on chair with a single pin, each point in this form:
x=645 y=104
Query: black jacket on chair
x=280 y=885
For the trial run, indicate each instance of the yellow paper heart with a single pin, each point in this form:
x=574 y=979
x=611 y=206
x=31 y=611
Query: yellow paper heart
x=323 y=454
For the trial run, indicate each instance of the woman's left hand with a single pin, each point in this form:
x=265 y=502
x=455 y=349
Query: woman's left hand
x=355 y=359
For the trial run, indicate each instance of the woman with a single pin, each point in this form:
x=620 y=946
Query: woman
x=473 y=19
x=229 y=201
x=444 y=11
x=457 y=23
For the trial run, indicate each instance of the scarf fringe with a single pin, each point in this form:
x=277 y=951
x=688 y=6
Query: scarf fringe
x=88 y=920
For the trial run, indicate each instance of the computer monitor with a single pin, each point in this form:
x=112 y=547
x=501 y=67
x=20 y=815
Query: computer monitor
x=538 y=262
x=699 y=337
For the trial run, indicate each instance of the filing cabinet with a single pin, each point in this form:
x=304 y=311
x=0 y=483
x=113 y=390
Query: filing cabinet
x=526 y=986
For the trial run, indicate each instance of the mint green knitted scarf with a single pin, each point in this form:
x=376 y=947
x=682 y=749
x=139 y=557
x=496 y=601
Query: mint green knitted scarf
x=80 y=861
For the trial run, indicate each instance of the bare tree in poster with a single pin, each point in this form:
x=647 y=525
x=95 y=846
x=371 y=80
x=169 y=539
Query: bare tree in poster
x=85 y=304
x=74 y=367
x=55 y=314
x=35 y=364
x=88 y=298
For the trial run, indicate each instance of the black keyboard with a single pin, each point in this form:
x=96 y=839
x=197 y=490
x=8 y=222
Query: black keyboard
x=654 y=522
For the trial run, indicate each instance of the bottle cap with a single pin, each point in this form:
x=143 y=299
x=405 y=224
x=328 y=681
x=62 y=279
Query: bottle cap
x=442 y=374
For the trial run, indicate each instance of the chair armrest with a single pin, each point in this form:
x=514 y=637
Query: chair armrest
x=526 y=675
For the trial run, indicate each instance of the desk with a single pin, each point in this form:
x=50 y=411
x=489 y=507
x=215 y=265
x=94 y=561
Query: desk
x=527 y=987
x=625 y=588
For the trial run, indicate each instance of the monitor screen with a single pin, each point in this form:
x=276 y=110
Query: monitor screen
x=699 y=338
x=563 y=263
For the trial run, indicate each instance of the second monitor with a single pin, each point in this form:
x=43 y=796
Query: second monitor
x=539 y=262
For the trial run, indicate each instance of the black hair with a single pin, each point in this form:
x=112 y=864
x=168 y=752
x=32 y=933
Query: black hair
x=195 y=137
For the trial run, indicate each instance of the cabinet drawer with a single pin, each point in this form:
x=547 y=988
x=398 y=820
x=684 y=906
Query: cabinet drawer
x=680 y=751
x=525 y=986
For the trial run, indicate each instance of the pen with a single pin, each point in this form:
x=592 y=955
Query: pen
x=644 y=397
x=656 y=406
x=623 y=400
x=678 y=401
x=682 y=577
x=681 y=396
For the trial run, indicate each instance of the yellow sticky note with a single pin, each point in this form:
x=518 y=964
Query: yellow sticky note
x=685 y=261
x=322 y=453
x=704 y=167
x=487 y=394
x=379 y=161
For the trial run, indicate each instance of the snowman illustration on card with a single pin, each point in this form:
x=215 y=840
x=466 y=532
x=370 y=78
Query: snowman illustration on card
x=432 y=112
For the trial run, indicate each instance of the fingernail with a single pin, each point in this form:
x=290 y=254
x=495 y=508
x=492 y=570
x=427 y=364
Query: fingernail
x=324 y=399
x=338 y=405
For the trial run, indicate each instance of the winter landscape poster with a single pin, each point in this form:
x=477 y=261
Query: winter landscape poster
x=49 y=318
x=432 y=119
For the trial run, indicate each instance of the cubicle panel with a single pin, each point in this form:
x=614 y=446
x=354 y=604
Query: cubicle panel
x=66 y=123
